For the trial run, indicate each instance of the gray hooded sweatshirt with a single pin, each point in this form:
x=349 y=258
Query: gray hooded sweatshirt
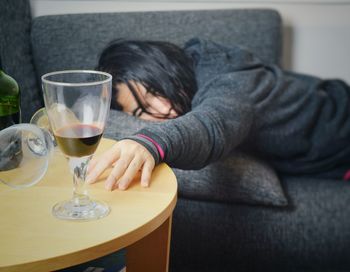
x=300 y=124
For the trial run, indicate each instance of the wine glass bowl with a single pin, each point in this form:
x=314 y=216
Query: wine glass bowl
x=41 y=120
x=77 y=104
x=25 y=153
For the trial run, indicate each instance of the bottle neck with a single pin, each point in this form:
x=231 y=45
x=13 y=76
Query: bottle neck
x=2 y=73
x=1 y=70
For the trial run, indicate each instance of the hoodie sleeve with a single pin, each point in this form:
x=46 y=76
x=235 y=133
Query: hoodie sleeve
x=222 y=115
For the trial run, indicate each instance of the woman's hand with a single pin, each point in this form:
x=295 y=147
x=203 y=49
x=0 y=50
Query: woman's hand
x=127 y=157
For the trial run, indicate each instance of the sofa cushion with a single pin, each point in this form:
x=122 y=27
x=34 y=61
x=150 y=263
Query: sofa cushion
x=240 y=178
x=16 y=55
x=75 y=40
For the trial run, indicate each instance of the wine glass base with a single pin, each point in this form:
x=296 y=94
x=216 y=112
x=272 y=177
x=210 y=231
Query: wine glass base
x=71 y=210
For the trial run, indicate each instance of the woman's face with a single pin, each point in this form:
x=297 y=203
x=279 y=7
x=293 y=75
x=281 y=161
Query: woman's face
x=156 y=108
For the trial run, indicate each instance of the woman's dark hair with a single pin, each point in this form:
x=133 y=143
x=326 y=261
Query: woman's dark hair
x=161 y=67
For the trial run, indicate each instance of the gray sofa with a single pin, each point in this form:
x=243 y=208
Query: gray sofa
x=235 y=215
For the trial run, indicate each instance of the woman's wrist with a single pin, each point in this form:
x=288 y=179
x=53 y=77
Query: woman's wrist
x=152 y=146
x=159 y=148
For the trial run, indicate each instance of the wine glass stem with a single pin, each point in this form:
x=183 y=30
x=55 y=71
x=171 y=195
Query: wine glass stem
x=79 y=167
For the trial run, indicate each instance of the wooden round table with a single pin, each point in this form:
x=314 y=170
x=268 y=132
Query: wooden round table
x=140 y=221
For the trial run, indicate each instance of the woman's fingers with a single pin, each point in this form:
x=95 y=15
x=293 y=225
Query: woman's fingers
x=99 y=165
x=147 y=172
x=98 y=169
x=126 y=169
x=129 y=174
x=118 y=171
x=127 y=158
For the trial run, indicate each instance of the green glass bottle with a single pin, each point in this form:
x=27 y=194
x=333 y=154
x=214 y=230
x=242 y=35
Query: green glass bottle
x=10 y=144
x=9 y=101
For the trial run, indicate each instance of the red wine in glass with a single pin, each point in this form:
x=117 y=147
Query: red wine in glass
x=78 y=140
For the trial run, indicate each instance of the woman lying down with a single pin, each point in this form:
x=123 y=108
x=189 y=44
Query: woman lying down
x=212 y=99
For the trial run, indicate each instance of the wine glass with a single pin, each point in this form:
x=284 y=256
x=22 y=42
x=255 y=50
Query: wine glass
x=77 y=104
x=25 y=153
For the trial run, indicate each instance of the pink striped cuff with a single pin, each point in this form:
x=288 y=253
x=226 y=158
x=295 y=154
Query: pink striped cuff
x=160 y=150
x=347 y=175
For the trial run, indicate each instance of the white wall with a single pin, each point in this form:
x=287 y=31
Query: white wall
x=316 y=32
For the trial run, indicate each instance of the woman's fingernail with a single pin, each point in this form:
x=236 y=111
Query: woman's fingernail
x=144 y=183
x=121 y=187
x=109 y=185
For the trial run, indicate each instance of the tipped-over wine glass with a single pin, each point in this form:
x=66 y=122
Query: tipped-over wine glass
x=77 y=103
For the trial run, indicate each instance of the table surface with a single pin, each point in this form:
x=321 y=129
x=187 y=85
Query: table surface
x=33 y=240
